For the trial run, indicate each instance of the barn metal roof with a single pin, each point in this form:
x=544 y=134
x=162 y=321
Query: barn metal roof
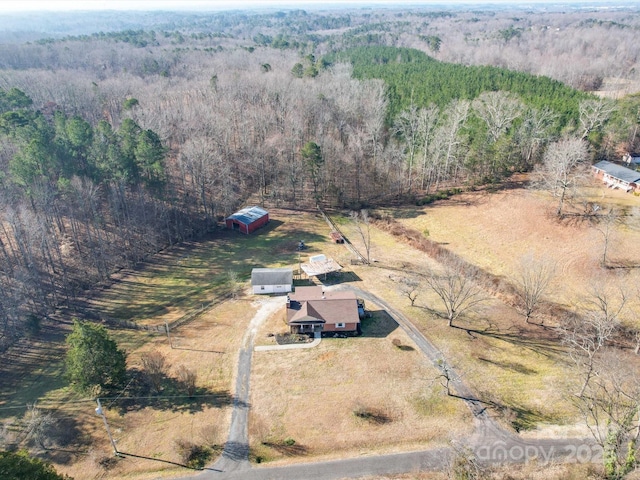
x=248 y=215
x=618 y=171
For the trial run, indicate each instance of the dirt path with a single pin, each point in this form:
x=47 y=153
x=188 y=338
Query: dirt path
x=235 y=455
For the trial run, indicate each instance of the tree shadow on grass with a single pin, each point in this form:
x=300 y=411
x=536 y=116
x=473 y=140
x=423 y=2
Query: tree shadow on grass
x=294 y=450
x=379 y=325
x=408 y=212
x=544 y=341
x=514 y=366
x=543 y=346
x=336 y=278
x=172 y=395
x=374 y=416
x=405 y=348
x=177 y=464
x=62 y=456
x=201 y=399
x=520 y=417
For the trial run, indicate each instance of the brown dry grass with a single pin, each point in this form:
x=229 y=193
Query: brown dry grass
x=494 y=231
x=209 y=346
x=312 y=396
x=520 y=369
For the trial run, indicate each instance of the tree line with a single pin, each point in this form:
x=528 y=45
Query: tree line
x=111 y=153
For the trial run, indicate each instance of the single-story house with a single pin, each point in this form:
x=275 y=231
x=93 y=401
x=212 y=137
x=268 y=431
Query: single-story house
x=617 y=176
x=311 y=309
x=271 y=280
x=248 y=219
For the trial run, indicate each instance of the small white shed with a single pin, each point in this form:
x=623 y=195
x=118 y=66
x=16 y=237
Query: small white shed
x=271 y=280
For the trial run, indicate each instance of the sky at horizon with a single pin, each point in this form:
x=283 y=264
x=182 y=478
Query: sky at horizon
x=79 y=5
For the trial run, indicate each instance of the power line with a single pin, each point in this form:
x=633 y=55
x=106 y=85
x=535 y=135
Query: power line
x=46 y=403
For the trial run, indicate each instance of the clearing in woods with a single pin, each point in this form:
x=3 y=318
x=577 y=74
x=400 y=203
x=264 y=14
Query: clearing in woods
x=347 y=396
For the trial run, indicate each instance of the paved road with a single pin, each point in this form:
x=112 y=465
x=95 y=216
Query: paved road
x=490 y=442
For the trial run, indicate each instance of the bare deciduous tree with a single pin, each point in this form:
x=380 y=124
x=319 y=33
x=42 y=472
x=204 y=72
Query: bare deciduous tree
x=188 y=378
x=593 y=115
x=409 y=287
x=464 y=464
x=233 y=283
x=532 y=281
x=534 y=133
x=605 y=224
x=427 y=121
x=610 y=406
x=155 y=366
x=448 y=141
x=456 y=287
x=587 y=334
x=406 y=126
x=498 y=110
x=562 y=169
x=38 y=425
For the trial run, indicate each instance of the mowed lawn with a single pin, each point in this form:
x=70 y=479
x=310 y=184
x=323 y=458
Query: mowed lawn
x=349 y=397
x=174 y=282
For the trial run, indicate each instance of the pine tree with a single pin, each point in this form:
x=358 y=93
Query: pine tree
x=93 y=359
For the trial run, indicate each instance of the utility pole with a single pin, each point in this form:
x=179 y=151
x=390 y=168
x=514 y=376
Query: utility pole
x=100 y=412
x=166 y=326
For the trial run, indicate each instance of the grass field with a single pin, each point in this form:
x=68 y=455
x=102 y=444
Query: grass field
x=347 y=396
x=520 y=369
x=166 y=288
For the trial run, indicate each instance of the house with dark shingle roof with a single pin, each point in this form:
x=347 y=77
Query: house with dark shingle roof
x=617 y=176
x=311 y=309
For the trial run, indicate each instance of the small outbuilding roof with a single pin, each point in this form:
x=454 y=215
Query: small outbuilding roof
x=271 y=276
x=248 y=215
x=319 y=264
x=618 y=171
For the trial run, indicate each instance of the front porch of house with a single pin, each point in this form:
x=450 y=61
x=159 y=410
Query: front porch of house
x=306 y=327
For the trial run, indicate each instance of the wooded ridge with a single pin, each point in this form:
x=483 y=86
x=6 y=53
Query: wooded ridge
x=117 y=144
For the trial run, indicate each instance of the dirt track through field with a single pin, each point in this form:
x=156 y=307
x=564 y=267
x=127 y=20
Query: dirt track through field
x=235 y=455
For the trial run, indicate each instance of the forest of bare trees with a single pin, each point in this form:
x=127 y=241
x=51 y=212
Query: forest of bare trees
x=149 y=136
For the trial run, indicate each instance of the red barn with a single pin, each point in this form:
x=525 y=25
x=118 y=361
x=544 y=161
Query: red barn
x=248 y=219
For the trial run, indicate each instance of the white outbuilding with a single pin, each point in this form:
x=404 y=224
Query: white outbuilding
x=271 y=280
